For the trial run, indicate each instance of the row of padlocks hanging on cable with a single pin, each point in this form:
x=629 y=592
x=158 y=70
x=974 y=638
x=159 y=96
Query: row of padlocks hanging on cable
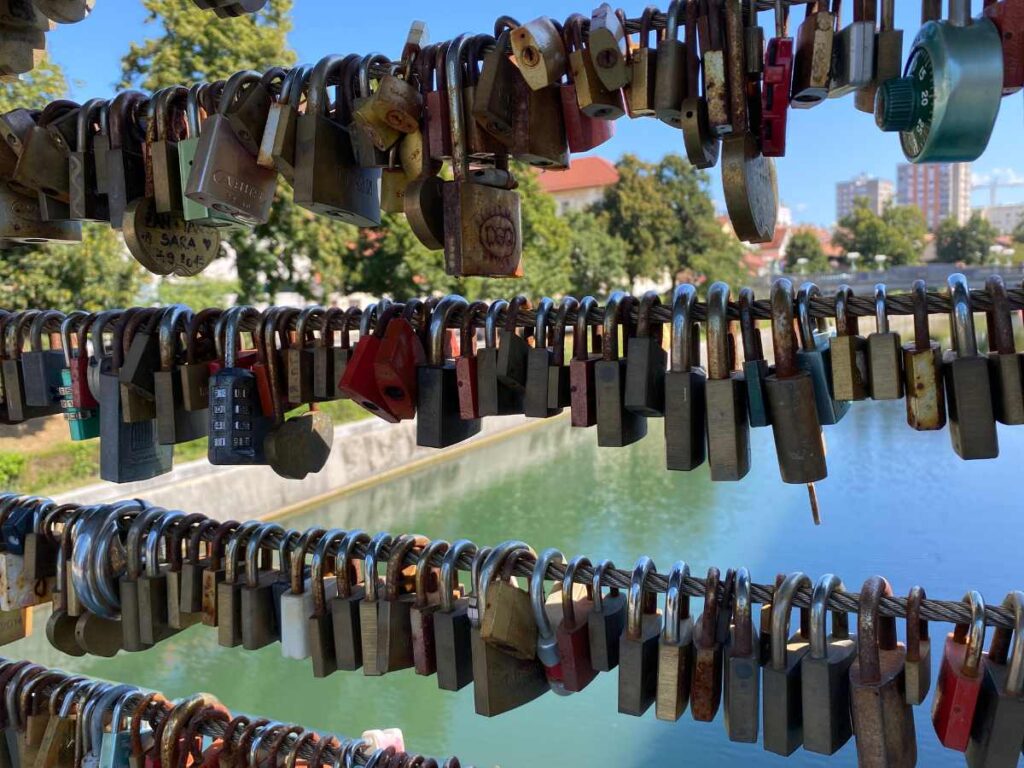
x=172 y=169
x=126 y=576
x=146 y=379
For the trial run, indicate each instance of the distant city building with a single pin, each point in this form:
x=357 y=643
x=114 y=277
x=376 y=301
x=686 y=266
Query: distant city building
x=581 y=185
x=877 y=192
x=941 y=191
x=1004 y=218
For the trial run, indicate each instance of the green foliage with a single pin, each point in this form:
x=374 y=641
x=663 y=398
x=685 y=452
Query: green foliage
x=33 y=90
x=597 y=257
x=663 y=213
x=91 y=275
x=195 y=46
x=899 y=233
x=1018 y=232
x=12 y=465
x=969 y=244
x=196 y=292
x=805 y=246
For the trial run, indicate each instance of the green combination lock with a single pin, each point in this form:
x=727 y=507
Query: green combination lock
x=945 y=105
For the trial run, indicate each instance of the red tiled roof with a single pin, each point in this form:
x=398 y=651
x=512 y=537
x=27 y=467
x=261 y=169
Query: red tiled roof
x=583 y=173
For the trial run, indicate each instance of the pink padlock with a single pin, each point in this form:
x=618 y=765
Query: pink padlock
x=384 y=738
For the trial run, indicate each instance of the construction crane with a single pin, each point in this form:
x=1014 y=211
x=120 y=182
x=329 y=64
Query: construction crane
x=994 y=186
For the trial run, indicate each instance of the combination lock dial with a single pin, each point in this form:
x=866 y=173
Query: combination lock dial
x=945 y=105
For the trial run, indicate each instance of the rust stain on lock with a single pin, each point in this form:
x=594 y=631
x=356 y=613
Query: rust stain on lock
x=17 y=589
x=716 y=88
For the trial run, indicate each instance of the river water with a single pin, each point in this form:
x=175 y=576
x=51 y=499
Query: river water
x=896 y=503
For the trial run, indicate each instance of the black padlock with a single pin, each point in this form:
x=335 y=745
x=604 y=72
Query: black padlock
x=496 y=398
x=513 y=348
x=126 y=166
x=142 y=358
x=237 y=424
x=538 y=360
x=559 y=384
x=438 y=423
x=41 y=367
x=685 y=385
x=616 y=426
x=646 y=360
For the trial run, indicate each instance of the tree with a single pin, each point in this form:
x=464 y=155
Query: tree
x=293 y=244
x=805 y=254
x=898 y=234
x=596 y=256
x=970 y=243
x=93 y=274
x=664 y=214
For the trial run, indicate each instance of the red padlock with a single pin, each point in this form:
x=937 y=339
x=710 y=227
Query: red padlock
x=400 y=352
x=960 y=679
x=582 y=386
x=573 y=631
x=274 y=323
x=78 y=363
x=584 y=133
x=778 y=79
x=466 y=363
x=1008 y=16
x=359 y=381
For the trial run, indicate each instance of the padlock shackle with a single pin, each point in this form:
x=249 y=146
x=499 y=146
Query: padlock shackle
x=537 y=594
x=133 y=541
x=1000 y=325
x=51 y=318
x=677 y=603
x=364 y=71
x=718 y=330
x=491 y=323
x=636 y=598
x=302 y=330
x=175 y=321
x=343 y=561
x=491 y=566
x=743 y=621
x=648 y=301
x=449 y=578
x=519 y=302
x=467 y=329
x=823 y=590
x=424 y=569
x=881 y=313
x=207 y=319
x=752 y=348
x=541 y=322
x=453 y=87
x=370 y=560
x=305 y=545
x=917 y=628
x=961 y=318
x=806 y=323
x=972 y=634
x=782 y=603
x=156 y=533
x=71 y=324
x=439 y=326
x=328 y=540
x=847 y=324
x=595 y=583
x=684 y=303
x=613 y=310
x=402 y=546
x=873 y=631
x=252 y=551
x=580 y=335
x=567 y=305
x=568 y=587
x=236 y=539
x=85 y=122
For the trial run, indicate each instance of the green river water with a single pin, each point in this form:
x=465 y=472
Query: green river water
x=897 y=503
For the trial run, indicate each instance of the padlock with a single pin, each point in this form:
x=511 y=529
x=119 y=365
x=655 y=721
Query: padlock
x=755 y=367
x=329 y=360
x=825 y=674
x=126 y=166
x=778 y=80
x=452 y=640
x=782 y=711
x=999 y=719
x=298 y=356
x=791 y=398
x=573 y=632
x=605 y=45
x=187 y=147
x=494 y=106
x=225 y=176
x=1008 y=16
x=708 y=662
x=641 y=90
x=539 y=52
x=200 y=349
x=85 y=201
x=972 y=424
x=675 y=648
x=84 y=423
x=583 y=132
x=616 y=425
x=174 y=423
x=538 y=360
x=370 y=141
x=918 y=665
x=394 y=620
x=594 y=99
x=582 y=383
x=228 y=591
x=482 y=226
x=481 y=145
x=439 y=423
x=359 y=379
x=345 y=608
x=401 y=353
x=812 y=59
x=888 y=56
x=853 y=51
x=742 y=673
x=646 y=360
x=883 y=722
x=21 y=221
x=425 y=606
x=43 y=162
x=685 y=387
x=922 y=366
x=277 y=145
x=547 y=618
x=728 y=430
x=247 y=114
x=1004 y=360
x=960 y=678
x=885 y=358
x=638 y=646
x=41 y=368
x=849 y=352
x=503 y=681
x=815 y=357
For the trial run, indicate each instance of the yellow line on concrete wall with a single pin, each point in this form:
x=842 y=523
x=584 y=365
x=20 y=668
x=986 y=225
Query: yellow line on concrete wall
x=409 y=467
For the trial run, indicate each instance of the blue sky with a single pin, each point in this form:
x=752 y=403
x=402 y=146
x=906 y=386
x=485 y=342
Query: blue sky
x=827 y=144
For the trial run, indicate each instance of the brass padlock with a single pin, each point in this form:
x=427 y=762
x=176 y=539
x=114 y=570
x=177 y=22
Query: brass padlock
x=540 y=52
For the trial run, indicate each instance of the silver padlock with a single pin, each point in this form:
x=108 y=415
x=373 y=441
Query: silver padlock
x=853 y=53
